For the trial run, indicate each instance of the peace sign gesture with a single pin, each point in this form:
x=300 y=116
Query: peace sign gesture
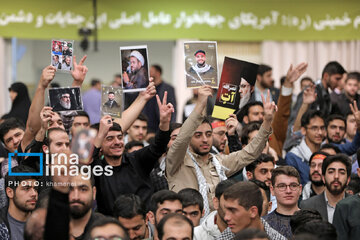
x=165 y=111
x=79 y=72
x=269 y=109
x=356 y=112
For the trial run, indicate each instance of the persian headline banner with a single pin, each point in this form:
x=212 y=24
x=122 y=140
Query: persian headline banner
x=231 y=20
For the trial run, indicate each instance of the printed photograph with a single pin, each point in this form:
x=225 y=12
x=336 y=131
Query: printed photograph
x=236 y=87
x=111 y=101
x=65 y=99
x=201 y=64
x=82 y=144
x=134 y=68
x=62 y=55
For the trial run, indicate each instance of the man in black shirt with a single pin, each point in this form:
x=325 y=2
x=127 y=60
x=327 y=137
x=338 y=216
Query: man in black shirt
x=130 y=171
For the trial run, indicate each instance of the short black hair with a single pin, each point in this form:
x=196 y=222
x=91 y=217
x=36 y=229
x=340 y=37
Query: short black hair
x=247 y=129
x=9 y=124
x=317 y=153
x=333 y=117
x=222 y=186
x=354 y=184
x=142 y=117
x=261 y=159
x=262 y=185
x=111 y=93
x=263 y=69
x=105 y=220
x=95 y=81
x=251 y=233
x=95 y=126
x=82 y=114
x=132 y=144
x=174 y=126
x=340 y=157
x=332 y=68
x=308 y=115
x=179 y=220
x=247 y=194
x=329 y=145
x=306 y=79
x=14 y=181
x=321 y=229
x=353 y=75
x=129 y=206
x=160 y=197
x=47 y=139
x=302 y=216
x=245 y=110
x=157 y=67
x=115 y=127
x=191 y=197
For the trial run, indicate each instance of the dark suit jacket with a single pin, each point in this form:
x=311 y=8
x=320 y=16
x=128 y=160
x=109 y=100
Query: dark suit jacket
x=114 y=105
x=317 y=203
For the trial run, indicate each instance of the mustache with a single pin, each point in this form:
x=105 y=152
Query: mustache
x=77 y=202
x=316 y=172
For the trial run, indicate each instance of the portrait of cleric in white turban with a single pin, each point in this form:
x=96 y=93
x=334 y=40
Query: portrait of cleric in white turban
x=135 y=68
x=65 y=99
x=201 y=64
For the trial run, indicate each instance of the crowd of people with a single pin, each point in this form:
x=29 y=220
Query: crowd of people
x=284 y=167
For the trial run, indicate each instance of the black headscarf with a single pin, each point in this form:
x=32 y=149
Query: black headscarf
x=20 y=106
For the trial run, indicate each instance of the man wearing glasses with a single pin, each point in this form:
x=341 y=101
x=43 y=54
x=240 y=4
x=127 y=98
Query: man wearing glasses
x=286 y=188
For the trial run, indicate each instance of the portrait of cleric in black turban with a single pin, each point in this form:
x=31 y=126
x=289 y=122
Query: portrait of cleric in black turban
x=65 y=99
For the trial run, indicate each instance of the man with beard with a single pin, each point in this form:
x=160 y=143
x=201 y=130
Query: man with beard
x=131 y=213
x=130 y=170
x=336 y=172
x=64 y=103
x=138 y=76
x=263 y=82
x=66 y=64
x=335 y=129
x=201 y=67
x=22 y=195
x=111 y=103
x=316 y=185
x=245 y=90
x=81 y=196
x=219 y=136
x=342 y=101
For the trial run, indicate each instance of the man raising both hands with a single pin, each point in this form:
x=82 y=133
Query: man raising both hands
x=130 y=170
x=193 y=166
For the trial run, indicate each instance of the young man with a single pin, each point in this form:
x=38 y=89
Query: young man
x=81 y=121
x=316 y=185
x=336 y=172
x=263 y=82
x=81 y=197
x=214 y=224
x=193 y=205
x=335 y=129
x=138 y=130
x=286 y=187
x=261 y=169
x=107 y=228
x=243 y=204
x=131 y=213
x=313 y=130
x=350 y=127
x=11 y=133
x=219 y=136
x=130 y=171
x=197 y=168
x=175 y=226
x=346 y=216
x=22 y=195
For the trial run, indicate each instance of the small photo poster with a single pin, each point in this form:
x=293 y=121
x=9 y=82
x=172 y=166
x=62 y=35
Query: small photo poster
x=62 y=55
x=111 y=101
x=134 y=68
x=65 y=99
x=82 y=144
x=236 y=87
x=201 y=66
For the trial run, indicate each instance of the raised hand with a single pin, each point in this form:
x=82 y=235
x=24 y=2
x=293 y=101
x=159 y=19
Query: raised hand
x=150 y=90
x=309 y=95
x=165 y=111
x=47 y=76
x=79 y=72
x=269 y=108
x=231 y=123
x=293 y=74
x=356 y=112
x=204 y=92
x=105 y=124
x=46 y=115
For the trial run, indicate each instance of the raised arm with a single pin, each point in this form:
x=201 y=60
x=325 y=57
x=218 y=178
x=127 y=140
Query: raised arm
x=131 y=113
x=176 y=154
x=309 y=96
x=33 y=123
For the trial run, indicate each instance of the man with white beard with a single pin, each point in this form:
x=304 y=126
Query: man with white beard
x=64 y=103
x=245 y=90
